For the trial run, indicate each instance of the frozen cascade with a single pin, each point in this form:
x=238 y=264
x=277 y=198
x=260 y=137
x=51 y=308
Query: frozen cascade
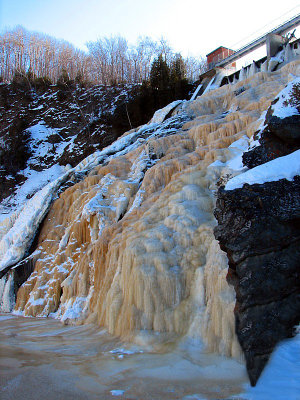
x=195 y=94
x=131 y=246
x=18 y=230
x=215 y=82
x=160 y=115
x=7 y=297
x=287 y=55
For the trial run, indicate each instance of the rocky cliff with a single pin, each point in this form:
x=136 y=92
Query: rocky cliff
x=259 y=228
x=49 y=125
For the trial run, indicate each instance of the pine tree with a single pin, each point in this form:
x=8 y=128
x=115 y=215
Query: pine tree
x=160 y=74
x=178 y=70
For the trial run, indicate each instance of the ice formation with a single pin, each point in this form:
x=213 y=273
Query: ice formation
x=131 y=246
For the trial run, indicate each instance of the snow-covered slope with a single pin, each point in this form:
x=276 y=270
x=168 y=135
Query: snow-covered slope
x=43 y=131
x=281 y=377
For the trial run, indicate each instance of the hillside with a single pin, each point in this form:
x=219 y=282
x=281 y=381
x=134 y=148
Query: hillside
x=48 y=126
x=125 y=239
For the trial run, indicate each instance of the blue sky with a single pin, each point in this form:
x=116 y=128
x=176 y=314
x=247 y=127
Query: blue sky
x=191 y=26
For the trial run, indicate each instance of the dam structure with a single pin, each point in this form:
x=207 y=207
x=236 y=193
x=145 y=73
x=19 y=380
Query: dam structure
x=221 y=62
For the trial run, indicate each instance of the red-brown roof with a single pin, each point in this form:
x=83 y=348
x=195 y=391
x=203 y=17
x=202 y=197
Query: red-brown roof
x=221 y=47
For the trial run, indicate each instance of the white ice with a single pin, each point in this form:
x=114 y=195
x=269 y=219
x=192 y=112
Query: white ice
x=160 y=115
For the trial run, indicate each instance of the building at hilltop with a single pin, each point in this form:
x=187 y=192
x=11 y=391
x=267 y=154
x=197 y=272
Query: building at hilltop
x=218 y=55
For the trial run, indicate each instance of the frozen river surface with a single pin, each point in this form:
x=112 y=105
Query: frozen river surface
x=42 y=359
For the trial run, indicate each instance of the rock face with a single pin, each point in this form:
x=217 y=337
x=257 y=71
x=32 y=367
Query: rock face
x=259 y=228
x=68 y=122
x=279 y=138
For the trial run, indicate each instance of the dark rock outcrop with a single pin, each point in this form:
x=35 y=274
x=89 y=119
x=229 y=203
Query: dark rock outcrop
x=279 y=138
x=79 y=120
x=281 y=135
x=259 y=228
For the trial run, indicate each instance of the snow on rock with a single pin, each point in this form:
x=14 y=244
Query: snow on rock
x=36 y=180
x=281 y=168
x=37 y=172
x=42 y=144
x=288 y=104
x=254 y=140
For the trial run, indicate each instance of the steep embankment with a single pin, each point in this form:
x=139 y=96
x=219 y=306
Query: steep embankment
x=259 y=228
x=131 y=246
x=45 y=128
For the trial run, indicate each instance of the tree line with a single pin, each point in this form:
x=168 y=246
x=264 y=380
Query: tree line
x=108 y=61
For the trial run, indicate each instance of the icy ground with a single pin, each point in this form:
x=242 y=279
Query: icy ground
x=82 y=362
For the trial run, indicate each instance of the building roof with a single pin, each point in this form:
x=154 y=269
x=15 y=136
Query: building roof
x=221 y=47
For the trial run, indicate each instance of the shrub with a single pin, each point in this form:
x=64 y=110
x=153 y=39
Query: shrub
x=16 y=153
x=294 y=98
x=20 y=80
x=42 y=82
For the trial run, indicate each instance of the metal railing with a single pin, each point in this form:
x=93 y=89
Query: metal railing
x=280 y=29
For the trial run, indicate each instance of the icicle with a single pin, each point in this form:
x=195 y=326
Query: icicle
x=7 y=296
x=195 y=94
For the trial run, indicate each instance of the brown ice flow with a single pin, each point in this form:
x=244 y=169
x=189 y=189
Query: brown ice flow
x=43 y=359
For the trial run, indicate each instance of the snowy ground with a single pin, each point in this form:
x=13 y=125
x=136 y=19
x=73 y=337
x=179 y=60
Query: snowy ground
x=281 y=377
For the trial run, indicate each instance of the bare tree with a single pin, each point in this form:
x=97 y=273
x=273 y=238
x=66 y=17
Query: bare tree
x=108 y=61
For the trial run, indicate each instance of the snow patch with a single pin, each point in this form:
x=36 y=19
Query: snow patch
x=22 y=226
x=285 y=107
x=117 y=392
x=286 y=167
x=281 y=376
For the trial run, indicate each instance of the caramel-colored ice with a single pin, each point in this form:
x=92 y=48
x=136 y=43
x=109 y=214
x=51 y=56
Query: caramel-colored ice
x=131 y=247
